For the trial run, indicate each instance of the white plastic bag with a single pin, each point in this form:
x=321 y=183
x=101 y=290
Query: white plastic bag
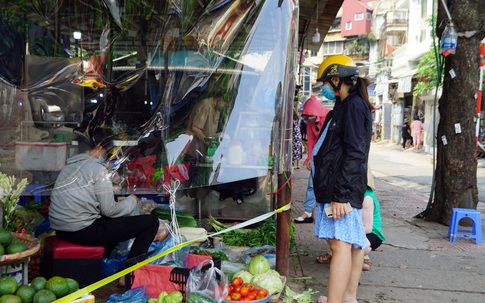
x=206 y=281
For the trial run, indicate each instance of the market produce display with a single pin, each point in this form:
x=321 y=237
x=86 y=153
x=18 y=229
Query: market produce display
x=40 y=290
x=9 y=244
x=165 y=297
x=213 y=254
x=184 y=219
x=239 y=290
x=260 y=276
x=265 y=234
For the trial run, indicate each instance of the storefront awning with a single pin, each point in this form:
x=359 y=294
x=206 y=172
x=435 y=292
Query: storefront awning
x=382 y=86
x=404 y=81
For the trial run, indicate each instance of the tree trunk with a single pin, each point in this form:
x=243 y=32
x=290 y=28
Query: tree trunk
x=456 y=166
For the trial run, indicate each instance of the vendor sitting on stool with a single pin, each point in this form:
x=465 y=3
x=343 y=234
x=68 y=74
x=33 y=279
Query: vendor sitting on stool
x=83 y=209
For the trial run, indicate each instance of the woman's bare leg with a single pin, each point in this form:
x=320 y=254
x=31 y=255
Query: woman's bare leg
x=340 y=270
x=355 y=273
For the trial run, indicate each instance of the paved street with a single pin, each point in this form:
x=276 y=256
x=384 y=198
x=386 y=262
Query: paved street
x=417 y=263
x=410 y=169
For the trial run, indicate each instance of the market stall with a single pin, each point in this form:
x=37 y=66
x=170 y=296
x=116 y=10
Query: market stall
x=196 y=92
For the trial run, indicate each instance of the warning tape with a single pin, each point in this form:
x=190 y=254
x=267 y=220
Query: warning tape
x=88 y=289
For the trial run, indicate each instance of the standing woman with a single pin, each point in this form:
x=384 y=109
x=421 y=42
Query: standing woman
x=340 y=176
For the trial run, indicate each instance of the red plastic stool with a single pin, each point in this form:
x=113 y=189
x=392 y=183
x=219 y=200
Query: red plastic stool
x=69 y=260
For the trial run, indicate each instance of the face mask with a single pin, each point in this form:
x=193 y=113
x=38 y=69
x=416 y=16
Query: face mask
x=312 y=119
x=327 y=92
x=102 y=159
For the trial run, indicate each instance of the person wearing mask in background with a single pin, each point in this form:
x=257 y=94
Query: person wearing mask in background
x=83 y=208
x=314 y=113
x=340 y=174
x=406 y=133
x=417 y=129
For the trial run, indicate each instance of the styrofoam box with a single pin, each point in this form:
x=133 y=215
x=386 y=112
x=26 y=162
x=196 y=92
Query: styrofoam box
x=40 y=156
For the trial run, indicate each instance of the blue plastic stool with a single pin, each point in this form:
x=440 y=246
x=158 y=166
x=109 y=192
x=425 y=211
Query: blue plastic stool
x=474 y=233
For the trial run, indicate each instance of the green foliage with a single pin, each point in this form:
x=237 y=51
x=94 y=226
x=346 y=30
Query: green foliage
x=359 y=46
x=428 y=73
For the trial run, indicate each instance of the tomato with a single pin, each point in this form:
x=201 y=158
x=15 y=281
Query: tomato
x=253 y=293
x=250 y=286
x=237 y=281
x=251 y=296
x=230 y=289
x=236 y=289
x=235 y=296
x=228 y=298
x=244 y=291
x=262 y=292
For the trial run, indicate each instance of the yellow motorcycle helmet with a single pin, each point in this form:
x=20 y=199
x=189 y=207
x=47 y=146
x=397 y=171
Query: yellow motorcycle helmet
x=336 y=66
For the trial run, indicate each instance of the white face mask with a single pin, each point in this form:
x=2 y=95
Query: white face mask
x=312 y=119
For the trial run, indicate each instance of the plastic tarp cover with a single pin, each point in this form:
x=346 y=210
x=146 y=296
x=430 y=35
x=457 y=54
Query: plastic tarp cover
x=197 y=91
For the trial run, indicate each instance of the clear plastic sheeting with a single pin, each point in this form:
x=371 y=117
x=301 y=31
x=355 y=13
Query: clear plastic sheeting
x=195 y=91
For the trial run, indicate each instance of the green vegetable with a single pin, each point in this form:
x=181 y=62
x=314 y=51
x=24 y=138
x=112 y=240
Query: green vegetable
x=258 y=265
x=304 y=297
x=184 y=219
x=151 y=300
x=245 y=275
x=173 y=297
x=195 y=297
x=265 y=234
x=161 y=295
x=273 y=272
x=271 y=283
x=215 y=254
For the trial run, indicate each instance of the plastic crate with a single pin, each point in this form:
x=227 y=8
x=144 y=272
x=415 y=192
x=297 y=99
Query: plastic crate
x=175 y=278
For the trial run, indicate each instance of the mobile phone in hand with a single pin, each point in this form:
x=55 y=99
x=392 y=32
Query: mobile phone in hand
x=328 y=210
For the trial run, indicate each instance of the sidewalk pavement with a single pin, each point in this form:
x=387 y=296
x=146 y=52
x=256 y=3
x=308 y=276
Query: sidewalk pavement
x=417 y=263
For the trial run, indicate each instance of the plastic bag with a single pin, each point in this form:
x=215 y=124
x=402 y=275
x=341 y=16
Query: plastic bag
x=163 y=230
x=135 y=295
x=177 y=258
x=230 y=268
x=206 y=282
x=116 y=260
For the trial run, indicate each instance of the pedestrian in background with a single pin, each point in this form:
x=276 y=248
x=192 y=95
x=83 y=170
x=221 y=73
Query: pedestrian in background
x=303 y=134
x=297 y=141
x=314 y=113
x=417 y=129
x=406 y=134
x=340 y=174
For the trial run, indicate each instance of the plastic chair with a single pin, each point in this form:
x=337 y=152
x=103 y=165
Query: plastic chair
x=474 y=233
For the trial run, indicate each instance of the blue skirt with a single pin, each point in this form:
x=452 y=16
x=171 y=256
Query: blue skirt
x=348 y=229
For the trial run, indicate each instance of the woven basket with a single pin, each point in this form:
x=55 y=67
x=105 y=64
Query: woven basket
x=33 y=246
